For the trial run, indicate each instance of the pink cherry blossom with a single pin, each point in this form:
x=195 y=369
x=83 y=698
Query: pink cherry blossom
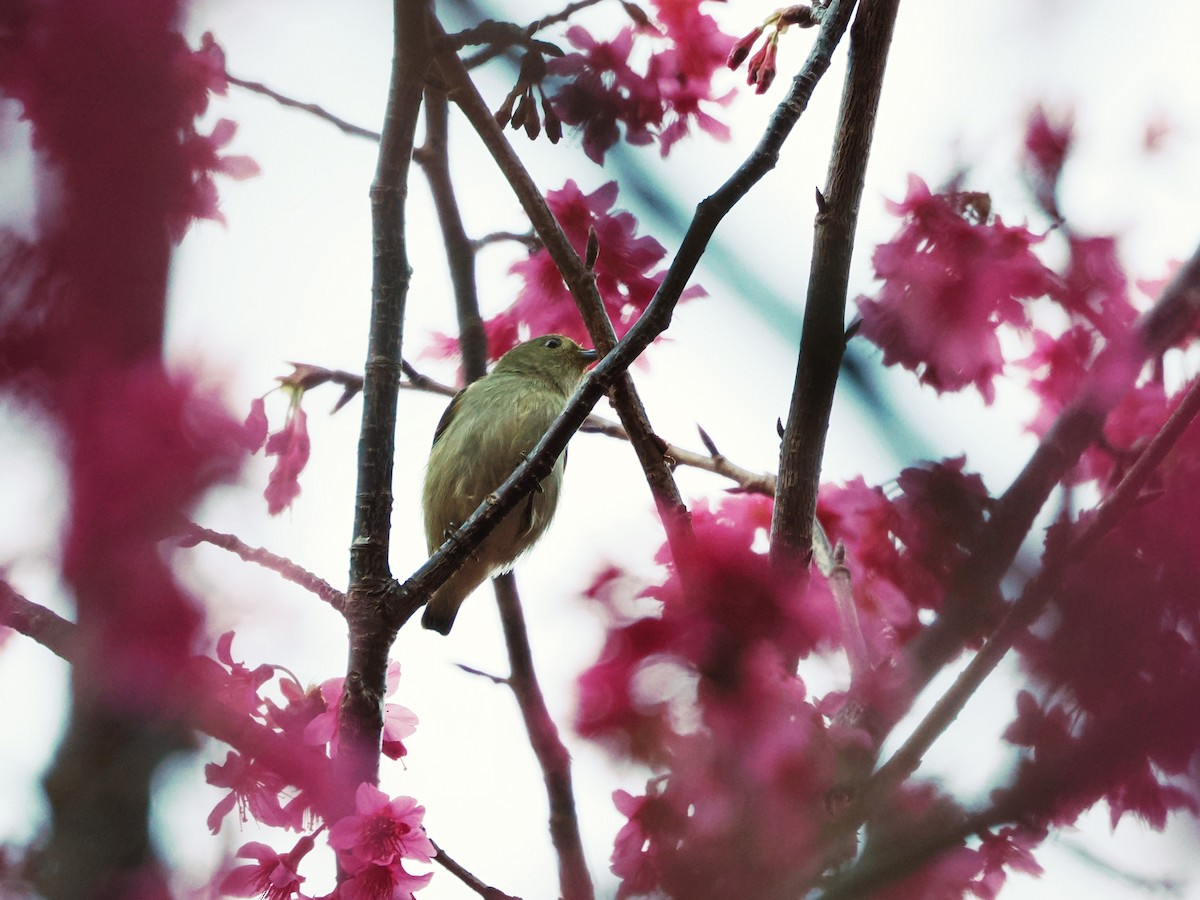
x=291 y=446
x=398 y=722
x=625 y=273
x=382 y=830
x=391 y=882
x=272 y=877
x=253 y=788
x=947 y=284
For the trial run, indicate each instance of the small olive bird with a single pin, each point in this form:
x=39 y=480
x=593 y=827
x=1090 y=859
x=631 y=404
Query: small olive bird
x=485 y=433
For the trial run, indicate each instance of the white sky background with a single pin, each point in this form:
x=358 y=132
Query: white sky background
x=289 y=279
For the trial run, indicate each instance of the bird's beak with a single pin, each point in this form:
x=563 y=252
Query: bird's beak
x=589 y=356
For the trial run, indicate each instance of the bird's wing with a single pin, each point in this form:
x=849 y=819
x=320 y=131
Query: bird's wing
x=448 y=415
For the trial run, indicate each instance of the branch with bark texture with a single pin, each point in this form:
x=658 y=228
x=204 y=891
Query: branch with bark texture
x=361 y=715
x=823 y=341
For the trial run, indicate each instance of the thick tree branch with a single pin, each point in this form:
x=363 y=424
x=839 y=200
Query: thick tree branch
x=361 y=714
x=823 y=341
x=552 y=756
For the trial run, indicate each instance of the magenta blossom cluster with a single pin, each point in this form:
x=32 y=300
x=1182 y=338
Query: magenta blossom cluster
x=704 y=690
x=624 y=270
x=949 y=281
x=659 y=101
x=291 y=792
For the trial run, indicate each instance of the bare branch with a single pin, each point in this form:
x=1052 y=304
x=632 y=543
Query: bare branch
x=318 y=111
x=194 y=534
x=361 y=715
x=44 y=626
x=444 y=860
x=552 y=756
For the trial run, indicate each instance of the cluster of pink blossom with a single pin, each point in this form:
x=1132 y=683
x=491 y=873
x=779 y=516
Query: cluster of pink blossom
x=704 y=691
x=372 y=842
x=602 y=90
x=623 y=270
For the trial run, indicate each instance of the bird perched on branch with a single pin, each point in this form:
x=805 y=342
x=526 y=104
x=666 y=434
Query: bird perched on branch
x=485 y=433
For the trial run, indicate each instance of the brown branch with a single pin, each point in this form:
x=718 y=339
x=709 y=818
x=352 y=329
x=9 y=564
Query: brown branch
x=457 y=870
x=552 y=756
x=404 y=599
x=823 y=342
x=361 y=714
x=491 y=52
x=995 y=546
x=460 y=250
x=581 y=282
x=44 y=626
x=194 y=534
x=321 y=113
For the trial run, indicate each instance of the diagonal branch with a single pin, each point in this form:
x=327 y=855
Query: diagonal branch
x=194 y=534
x=320 y=112
x=45 y=626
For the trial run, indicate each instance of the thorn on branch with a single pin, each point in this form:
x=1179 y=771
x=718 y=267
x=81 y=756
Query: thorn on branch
x=494 y=679
x=593 y=250
x=708 y=443
x=779 y=430
x=822 y=203
x=852 y=329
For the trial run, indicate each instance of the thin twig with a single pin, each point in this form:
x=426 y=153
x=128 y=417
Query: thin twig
x=404 y=599
x=491 y=52
x=44 y=626
x=460 y=250
x=486 y=891
x=361 y=713
x=823 y=341
x=552 y=756
x=195 y=534
x=318 y=111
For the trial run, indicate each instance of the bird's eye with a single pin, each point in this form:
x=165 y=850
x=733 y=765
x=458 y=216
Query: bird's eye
x=552 y=343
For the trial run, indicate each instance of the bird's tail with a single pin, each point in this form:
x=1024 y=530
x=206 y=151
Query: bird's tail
x=443 y=606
